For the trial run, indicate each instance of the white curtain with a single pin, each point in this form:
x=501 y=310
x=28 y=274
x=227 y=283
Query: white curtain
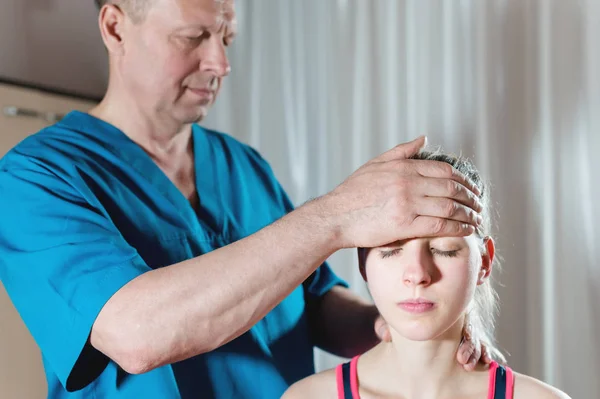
x=321 y=86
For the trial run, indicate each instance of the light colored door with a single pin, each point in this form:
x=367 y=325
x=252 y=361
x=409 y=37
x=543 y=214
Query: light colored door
x=21 y=370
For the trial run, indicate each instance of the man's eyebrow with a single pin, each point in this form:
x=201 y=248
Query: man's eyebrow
x=202 y=27
x=227 y=27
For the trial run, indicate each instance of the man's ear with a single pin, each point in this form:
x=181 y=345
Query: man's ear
x=111 y=22
x=487 y=259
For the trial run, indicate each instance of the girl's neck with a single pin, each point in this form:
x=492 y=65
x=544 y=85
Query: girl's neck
x=415 y=369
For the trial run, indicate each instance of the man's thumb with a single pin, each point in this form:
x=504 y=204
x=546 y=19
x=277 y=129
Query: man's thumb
x=405 y=150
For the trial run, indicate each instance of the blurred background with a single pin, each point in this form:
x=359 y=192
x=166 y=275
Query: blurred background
x=321 y=86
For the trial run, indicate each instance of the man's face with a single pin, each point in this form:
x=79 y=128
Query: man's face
x=173 y=62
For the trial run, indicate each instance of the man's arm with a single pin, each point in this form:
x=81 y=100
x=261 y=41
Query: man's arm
x=342 y=323
x=175 y=312
x=193 y=307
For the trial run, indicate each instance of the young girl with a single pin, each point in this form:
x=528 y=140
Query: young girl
x=427 y=289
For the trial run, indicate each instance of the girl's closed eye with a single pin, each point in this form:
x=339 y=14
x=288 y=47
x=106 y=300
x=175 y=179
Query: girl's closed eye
x=388 y=253
x=448 y=254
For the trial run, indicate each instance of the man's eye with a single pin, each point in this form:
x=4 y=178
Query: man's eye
x=390 y=253
x=198 y=38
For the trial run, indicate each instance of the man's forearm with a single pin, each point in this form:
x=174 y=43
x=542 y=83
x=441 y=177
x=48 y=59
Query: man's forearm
x=342 y=323
x=179 y=311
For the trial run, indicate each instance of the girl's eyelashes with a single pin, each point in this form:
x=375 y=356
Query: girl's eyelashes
x=388 y=253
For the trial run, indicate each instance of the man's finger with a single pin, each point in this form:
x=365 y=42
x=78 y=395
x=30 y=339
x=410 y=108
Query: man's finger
x=443 y=170
x=403 y=151
x=382 y=330
x=485 y=355
x=446 y=188
x=385 y=334
x=429 y=226
x=467 y=331
x=446 y=208
x=465 y=351
x=477 y=353
x=470 y=366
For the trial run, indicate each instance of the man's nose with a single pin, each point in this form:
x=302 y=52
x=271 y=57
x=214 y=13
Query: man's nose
x=214 y=58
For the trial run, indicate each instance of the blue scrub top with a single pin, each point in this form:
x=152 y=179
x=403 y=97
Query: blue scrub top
x=84 y=210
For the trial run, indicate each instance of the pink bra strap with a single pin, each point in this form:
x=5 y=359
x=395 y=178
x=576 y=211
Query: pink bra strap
x=354 y=377
x=492 y=380
x=346 y=376
x=340 y=381
x=510 y=383
x=510 y=380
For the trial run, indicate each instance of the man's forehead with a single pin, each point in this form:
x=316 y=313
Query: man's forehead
x=223 y=9
x=205 y=14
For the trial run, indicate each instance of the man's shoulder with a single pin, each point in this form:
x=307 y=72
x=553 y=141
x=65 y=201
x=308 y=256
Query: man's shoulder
x=26 y=151
x=234 y=147
x=49 y=142
x=320 y=385
x=529 y=387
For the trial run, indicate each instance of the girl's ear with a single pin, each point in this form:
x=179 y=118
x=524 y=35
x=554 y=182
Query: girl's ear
x=487 y=259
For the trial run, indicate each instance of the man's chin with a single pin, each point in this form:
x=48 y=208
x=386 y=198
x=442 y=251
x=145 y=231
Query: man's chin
x=198 y=118
x=194 y=116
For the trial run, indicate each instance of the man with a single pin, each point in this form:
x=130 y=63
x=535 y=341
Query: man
x=152 y=258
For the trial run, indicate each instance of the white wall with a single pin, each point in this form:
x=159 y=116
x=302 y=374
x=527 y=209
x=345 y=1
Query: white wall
x=53 y=43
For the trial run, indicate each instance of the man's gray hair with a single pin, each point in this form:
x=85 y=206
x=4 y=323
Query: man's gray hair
x=135 y=9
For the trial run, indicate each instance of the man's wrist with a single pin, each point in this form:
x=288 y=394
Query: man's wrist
x=324 y=222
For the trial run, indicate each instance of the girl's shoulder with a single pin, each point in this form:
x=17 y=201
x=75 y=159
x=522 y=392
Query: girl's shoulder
x=318 y=385
x=529 y=387
x=324 y=384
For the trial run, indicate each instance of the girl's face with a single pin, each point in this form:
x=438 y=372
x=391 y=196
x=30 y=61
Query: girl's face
x=423 y=286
